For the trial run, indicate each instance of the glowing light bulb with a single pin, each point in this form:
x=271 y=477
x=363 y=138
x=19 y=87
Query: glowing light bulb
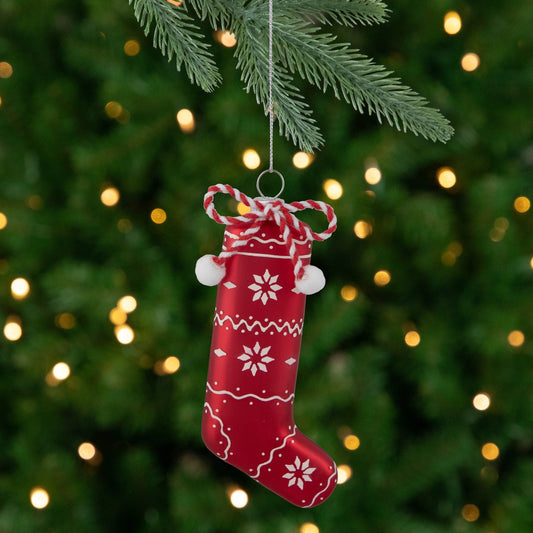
x=185 y=120
x=226 y=38
x=61 y=371
x=6 y=70
x=132 y=48
x=110 y=196
x=516 y=338
x=3 y=221
x=39 y=498
x=171 y=364
x=348 y=293
x=382 y=278
x=309 y=527
x=124 y=334
x=20 y=288
x=117 y=316
x=490 y=451
x=351 y=442
x=344 y=473
x=481 y=401
x=113 y=109
x=158 y=215
x=412 y=338
x=372 y=175
x=333 y=189
x=362 y=229
x=446 y=177
x=470 y=62
x=86 y=451
x=302 y=159
x=12 y=329
x=251 y=159
x=452 y=23
x=470 y=512
x=128 y=304
x=522 y=204
x=238 y=498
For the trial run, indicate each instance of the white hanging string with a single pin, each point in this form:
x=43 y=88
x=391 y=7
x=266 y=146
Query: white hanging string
x=270 y=169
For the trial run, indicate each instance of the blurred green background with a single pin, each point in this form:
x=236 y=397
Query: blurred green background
x=390 y=366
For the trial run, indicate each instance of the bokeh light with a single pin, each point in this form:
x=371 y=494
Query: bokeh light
x=61 y=371
x=13 y=329
x=238 y=498
x=516 y=338
x=372 y=175
x=382 y=278
x=110 y=196
x=333 y=189
x=348 y=293
x=86 y=451
x=117 y=316
x=171 y=364
x=132 y=48
x=39 y=498
x=362 y=229
x=481 y=401
x=113 y=109
x=412 y=338
x=20 y=288
x=302 y=159
x=351 y=442
x=309 y=527
x=158 y=215
x=127 y=303
x=470 y=512
x=226 y=38
x=124 y=334
x=251 y=159
x=470 y=62
x=446 y=177
x=185 y=119
x=522 y=204
x=65 y=320
x=6 y=70
x=3 y=221
x=344 y=473
x=452 y=23
x=490 y=451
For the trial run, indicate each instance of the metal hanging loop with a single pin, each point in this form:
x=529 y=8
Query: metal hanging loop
x=270 y=171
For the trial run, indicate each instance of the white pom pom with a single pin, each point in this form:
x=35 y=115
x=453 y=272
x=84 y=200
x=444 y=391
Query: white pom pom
x=312 y=281
x=208 y=272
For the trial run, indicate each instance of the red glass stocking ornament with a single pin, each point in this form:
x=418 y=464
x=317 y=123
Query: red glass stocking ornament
x=263 y=275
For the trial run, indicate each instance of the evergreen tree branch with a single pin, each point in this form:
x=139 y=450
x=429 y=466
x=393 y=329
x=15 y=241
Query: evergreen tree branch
x=323 y=62
x=176 y=36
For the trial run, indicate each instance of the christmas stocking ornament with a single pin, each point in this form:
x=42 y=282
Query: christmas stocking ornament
x=263 y=276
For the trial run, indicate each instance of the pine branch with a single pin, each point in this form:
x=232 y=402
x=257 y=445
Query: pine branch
x=299 y=47
x=176 y=36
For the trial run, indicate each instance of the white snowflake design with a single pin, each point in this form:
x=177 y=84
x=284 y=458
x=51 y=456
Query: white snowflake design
x=251 y=354
x=298 y=473
x=265 y=287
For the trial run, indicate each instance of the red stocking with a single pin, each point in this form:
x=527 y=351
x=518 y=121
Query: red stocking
x=248 y=413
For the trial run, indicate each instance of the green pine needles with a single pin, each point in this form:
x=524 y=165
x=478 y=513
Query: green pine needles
x=299 y=47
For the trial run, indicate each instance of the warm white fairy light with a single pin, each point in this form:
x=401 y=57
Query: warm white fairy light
x=302 y=159
x=6 y=70
x=362 y=229
x=333 y=189
x=490 y=451
x=132 y=47
x=3 y=221
x=61 y=371
x=86 y=451
x=382 y=278
x=452 y=23
x=158 y=215
x=309 y=527
x=412 y=338
x=251 y=159
x=516 y=338
x=20 y=288
x=117 y=316
x=470 y=62
x=372 y=175
x=522 y=204
x=351 y=442
x=39 y=498
x=238 y=498
x=124 y=334
x=344 y=473
x=481 y=401
x=446 y=177
x=185 y=120
x=12 y=329
x=348 y=293
x=226 y=38
x=110 y=196
x=127 y=303
x=171 y=364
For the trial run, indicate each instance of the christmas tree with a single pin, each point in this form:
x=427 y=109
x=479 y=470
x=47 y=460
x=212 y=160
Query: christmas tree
x=415 y=372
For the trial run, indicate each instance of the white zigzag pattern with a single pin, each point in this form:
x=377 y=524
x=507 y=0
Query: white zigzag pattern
x=323 y=490
x=218 y=419
x=265 y=241
x=256 y=323
x=269 y=399
x=269 y=460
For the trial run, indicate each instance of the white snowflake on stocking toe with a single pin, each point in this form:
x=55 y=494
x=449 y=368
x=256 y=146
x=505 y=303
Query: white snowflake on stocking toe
x=265 y=287
x=255 y=358
x=298 y=473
